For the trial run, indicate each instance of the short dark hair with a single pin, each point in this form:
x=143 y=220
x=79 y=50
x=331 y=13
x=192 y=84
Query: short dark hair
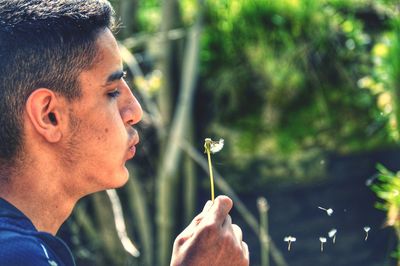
x=44 y=44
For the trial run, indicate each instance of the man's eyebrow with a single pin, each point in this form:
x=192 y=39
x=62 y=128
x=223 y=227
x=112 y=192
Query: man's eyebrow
x=116 y=75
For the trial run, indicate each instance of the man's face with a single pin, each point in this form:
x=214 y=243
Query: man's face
x=101 y=138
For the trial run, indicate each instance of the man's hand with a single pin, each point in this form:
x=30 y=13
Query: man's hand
x=211 y=239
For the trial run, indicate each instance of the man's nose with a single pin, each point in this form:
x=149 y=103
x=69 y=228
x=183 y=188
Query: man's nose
x=131 y=111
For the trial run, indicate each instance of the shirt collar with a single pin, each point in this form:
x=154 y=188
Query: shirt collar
x=9 y=211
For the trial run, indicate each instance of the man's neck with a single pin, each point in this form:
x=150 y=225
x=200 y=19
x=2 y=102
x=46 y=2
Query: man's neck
x=42 y=202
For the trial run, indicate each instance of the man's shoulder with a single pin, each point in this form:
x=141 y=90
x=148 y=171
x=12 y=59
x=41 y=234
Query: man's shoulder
x=8 y=235
x=21 y=249
x=22 y=244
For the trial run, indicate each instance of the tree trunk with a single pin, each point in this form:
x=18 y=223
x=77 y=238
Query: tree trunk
x=168 y=64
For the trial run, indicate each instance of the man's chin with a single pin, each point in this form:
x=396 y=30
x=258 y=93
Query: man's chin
x=116 y=181
x=120 y=179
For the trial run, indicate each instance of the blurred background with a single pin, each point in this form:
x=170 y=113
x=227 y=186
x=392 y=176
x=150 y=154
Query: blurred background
x=305 y=94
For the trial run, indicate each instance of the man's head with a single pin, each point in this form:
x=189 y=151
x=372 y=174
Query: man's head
x=43 y=44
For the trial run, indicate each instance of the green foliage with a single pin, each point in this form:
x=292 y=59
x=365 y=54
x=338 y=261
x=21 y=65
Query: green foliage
x=387 y=190
x=299 y=63
x=149 y=15
x=386 y=83
x=286 y=76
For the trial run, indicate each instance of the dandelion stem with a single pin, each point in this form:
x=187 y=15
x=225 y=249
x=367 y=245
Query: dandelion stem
x=211 y=173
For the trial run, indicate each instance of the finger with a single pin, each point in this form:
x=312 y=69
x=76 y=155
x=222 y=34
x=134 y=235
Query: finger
x=234 y=230
x=201 y=215
x=238 y=233
x=207 y=206
x=227 y=224
x=245 y=249
x=188 y=231
x=220 y=209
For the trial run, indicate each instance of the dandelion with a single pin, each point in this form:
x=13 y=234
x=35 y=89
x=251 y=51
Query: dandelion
x=366 y=229
x=328 y=211
x=332 y=234
x=289 y=239
x=212 y=147
x=322 y=240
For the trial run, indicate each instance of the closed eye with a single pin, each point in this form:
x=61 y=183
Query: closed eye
x=114 y=94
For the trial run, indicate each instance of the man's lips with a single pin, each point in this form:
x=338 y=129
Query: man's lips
x=132 y=146
x=132 y=152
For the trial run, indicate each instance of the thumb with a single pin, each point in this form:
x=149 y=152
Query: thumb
x=220 y=209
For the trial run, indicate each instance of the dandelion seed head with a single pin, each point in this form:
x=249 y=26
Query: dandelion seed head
x=322 y=239
x=367 y=228
x=216 y=146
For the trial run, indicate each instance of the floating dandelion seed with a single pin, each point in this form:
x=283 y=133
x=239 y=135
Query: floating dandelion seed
x=332 y=234
x=289 y=239
x=366 y=229
x=322 y=240
x=371 y=180
x=211 y=146
x=328 y=211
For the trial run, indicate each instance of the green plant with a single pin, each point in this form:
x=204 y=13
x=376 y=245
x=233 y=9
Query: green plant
x=387 y=188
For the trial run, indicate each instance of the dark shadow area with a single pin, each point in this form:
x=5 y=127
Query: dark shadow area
x=294 y=211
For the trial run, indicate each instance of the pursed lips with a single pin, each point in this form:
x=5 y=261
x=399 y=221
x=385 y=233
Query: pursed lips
x=134 y=140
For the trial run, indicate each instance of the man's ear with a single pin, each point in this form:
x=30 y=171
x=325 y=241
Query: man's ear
x=43 y=109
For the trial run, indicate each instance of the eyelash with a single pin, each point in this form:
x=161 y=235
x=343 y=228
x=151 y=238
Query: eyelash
x=114 y=94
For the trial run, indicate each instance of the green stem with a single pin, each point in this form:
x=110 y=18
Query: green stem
x=211 y=174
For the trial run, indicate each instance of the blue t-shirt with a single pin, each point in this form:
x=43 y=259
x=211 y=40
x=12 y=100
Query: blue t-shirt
x=22 y=245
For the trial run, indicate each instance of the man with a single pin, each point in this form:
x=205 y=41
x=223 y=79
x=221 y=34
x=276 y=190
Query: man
x=66 y=118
